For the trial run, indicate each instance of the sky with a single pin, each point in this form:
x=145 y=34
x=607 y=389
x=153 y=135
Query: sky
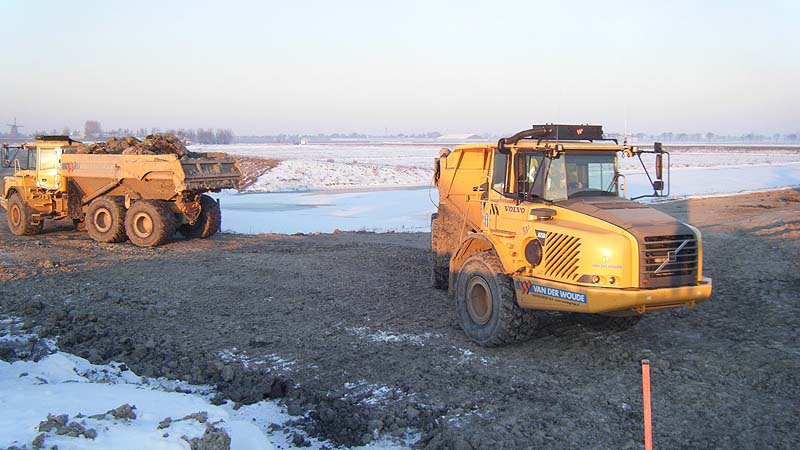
x=267 y=67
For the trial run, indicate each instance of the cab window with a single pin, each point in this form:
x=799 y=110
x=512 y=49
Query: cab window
x=499 y=172
x=528 y=165
x=591 y=174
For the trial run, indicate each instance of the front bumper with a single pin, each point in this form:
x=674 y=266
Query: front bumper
x=536 y=293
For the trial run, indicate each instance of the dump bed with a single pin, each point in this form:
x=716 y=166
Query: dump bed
x=148 y=176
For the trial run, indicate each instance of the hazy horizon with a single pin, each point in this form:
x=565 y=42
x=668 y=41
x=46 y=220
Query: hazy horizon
x=313 y=67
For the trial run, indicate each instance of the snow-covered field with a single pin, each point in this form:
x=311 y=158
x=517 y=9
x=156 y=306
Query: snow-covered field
x=91 y=401
x=338 y=166
x=387 y=187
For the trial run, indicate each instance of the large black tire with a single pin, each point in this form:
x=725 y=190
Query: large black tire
x=105 y=219
x=20 y=217
x=487 y=305
x=150 y=223
x=208 y=222
x=440 y=264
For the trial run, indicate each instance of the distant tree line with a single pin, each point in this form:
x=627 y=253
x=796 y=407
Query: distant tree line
x=93 y=130
x=322 y=137
x=709 y=137
x=205 y=136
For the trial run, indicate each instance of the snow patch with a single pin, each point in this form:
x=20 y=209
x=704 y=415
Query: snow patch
x=304 y=175
x=391 y=337
x=464 y=356
x=271 y=361
x=62 y=383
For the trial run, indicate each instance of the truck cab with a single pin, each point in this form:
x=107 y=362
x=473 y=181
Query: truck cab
x=544 y=213
x=36 y=181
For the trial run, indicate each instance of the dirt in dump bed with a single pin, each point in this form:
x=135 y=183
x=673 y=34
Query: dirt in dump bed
x=154 y=144
x=346 y=330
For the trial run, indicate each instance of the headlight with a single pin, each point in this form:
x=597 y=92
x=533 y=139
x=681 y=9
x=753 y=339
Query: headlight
x=533 y=253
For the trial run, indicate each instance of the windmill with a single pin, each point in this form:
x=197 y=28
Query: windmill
x=14 y=128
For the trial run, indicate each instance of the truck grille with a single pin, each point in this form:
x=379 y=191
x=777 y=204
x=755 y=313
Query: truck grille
x=561 y=256
x=670 y=260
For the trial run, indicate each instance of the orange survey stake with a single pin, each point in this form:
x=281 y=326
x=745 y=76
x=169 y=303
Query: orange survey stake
x=648 y=427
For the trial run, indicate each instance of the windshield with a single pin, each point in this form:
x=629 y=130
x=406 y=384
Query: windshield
x=569 y=175
x=590 y=174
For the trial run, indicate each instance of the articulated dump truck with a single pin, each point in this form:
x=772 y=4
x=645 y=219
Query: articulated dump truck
x=144 y=198
x=539 y=221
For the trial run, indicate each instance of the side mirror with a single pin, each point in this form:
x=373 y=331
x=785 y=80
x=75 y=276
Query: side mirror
x=658 y=185
x=659 y=166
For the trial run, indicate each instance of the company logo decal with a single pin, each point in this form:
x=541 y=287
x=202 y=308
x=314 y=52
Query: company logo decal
x=560 y=294
x=515 y=209
x=672 y=256
x=579 y=131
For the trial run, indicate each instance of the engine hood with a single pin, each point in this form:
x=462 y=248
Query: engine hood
x=664 y=242
x=638 y=219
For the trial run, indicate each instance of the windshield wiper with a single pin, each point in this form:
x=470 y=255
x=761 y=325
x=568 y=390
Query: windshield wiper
x=613 y=183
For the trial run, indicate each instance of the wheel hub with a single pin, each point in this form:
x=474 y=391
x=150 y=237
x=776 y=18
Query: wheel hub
x=16 y=215
x=142 y=225
x=479 y=300
x=102 y=220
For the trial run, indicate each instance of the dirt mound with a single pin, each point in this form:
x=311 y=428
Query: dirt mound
x=253 y=168
x=154 y=144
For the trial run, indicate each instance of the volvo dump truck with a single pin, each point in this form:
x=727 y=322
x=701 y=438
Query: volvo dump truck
x=539 y=221
x=144 y=198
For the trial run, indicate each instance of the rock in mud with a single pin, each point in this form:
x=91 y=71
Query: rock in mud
x=123 y=412
x=201 y=417
x=213 y=439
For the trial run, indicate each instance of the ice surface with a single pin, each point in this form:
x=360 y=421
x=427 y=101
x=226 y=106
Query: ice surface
x=388 y=187
x=325 y=212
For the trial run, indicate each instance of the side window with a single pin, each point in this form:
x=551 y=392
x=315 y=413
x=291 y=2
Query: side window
x=47 y=175
x=527 y=168
x=555 y=188
x=499 y=172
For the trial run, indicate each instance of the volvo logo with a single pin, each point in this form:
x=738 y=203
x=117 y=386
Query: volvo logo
x=672 y=256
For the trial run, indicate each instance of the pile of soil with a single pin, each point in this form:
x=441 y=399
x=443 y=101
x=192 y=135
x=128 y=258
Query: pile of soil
x=154 y=144
x=253 y=167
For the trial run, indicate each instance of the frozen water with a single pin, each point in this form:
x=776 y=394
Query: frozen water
x=388 y=187
x=326 y=211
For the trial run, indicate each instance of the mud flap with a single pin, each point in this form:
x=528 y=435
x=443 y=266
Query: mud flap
x=74 y=201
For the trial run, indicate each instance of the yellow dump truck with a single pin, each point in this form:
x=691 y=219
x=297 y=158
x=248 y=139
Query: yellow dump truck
x=144 y=198
x=538 y=221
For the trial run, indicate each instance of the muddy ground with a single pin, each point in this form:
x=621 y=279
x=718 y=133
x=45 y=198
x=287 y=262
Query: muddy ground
x=346 y=330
